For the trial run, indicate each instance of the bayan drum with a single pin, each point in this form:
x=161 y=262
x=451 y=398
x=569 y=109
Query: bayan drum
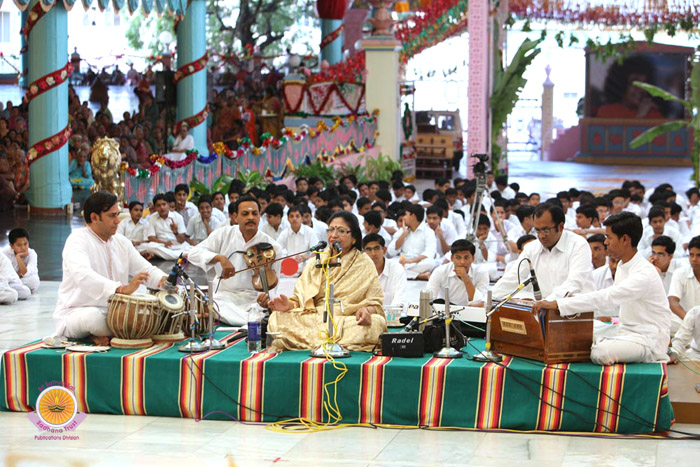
x=172 y=317
x=133 y=319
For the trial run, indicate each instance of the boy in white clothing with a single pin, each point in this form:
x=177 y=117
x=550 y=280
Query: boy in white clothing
x=273 y=225
x=204 y=223
x=135 y=227
x=166 y=231
x=298 y=237
x=24 y=262
x=466 y=284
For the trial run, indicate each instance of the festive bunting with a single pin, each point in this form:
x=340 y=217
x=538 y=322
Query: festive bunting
x=48 y=145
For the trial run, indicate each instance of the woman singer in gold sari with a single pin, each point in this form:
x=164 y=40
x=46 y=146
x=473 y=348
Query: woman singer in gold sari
x=359 y=323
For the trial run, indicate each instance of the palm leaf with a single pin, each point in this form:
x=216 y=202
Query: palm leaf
x=199 y=187
x=655 y=91
x=222 y=183
x=653 y=132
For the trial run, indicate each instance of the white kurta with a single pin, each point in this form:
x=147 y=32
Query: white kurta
x=10 y=279
x=196 y=229
x=31 y=277
x=93 y=270
x=645 y=317
x=449 y=234
x=269 y=230
x=445 y=276
x=296 y=242
x=689 y=335
x=393 y=281
x=644 y=245
x=134 y=232
x=160 y=228
x=419 y=242
x=188 y=212
x=234 y=295
x=184 y=144
x=566 y=268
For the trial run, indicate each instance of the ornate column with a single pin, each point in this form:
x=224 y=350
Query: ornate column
x=479 y=81
x=24 y=60
x=382 y=82
x=547 y=113
x=331 y=13
x=191 y=76
x=50 y=189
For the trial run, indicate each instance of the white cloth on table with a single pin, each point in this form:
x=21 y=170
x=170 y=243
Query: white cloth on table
x=566 y=268
x=689 y=335
x=93 y=270
x=31 y=277
x=445 y=276
x=419 y=242
x=9 y=276
x=645 y=317
x=235 y=294
x=394 y=283
x=196 y=229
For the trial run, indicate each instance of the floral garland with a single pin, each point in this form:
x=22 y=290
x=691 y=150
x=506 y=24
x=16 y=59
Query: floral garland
x=35 y=14
x=47 y=82
x=221 y=149
x=48 y=145
x=327 y=40
x=162 y=160
x=190 y=68
x=209 y=159
x=194 y=120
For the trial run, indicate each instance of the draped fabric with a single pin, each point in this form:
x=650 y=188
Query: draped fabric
x=21 y=4
x=102 y=4
x=176 y=6
x=69 y=4
x=356 y=285
x=160 y=6
x=87 y=4
x=133 y=5
x=147 y=5
x=118 y=4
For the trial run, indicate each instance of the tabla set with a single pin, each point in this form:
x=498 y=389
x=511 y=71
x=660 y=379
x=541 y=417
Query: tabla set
x=141 y=320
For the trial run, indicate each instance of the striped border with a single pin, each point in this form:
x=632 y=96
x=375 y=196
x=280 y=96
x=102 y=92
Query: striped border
x=612 y=380
x=372 y=389
x=16 y=384
x=492 y=383
x=311 y=389
x=133 y=379
x=191 y=389
x=251 y=387
x=432 y=391
x=663 y=393
x=74 y=373
x=551 y=403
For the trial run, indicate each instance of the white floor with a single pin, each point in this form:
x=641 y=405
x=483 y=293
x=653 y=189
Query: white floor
x=122 y=440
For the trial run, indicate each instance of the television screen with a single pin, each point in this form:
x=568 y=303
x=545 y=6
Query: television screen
x=611 y=94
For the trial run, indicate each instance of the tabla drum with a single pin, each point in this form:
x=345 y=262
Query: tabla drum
x=133 y=319
x=170 y=326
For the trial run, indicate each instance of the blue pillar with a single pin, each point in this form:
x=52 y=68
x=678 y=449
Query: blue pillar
x=24 y=58
x=192 y=90
x=333 y=52
x=48 y=113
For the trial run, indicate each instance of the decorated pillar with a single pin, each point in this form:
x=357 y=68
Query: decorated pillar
x=331 y=13
x=382 y=82
x=547 y=112
x=47 y=32
x=479 y=81
x=191 y=75
x=24 y=59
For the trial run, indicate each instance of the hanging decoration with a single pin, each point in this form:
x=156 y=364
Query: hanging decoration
x=48 y=145
x=221 y=149
x=194 y=120
x=35 y=14
x=47 y=82
x=190 y=68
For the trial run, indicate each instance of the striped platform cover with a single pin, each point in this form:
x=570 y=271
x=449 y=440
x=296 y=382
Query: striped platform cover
x=516 y=394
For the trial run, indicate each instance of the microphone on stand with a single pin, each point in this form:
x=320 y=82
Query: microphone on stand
x=337 y=247
x=535 y=285
x=320 y=246
x=171 y=283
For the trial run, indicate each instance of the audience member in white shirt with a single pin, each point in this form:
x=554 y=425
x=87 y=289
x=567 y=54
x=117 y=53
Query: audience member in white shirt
x=204 y=223
x=392 y=275
x=599 y=253
x=684 y=292
x=316 y=224
x=502 y=186
x=410 y=194
x=220 y=210
x=24 y=259
x=486 y=242
x=603 y=271
x=273 y=225
x=373 y=224
x=11 y=286
x=466 y=284
x=298 y=237
x=526 y=222
x=398 y=191
x=183 y=207
x=445 y=234
x=686 y=342
x=134 y=228
x=657 y=227
x=415 y=244
x=166 y=232
x=662 y=249
x=388 y=224
x=643 y=332
x=587 y=222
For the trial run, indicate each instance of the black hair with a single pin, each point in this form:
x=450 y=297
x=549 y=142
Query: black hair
x=556 y=212
x=615 y=194
x=312 y=190
x=655 y=212
x=98 y=203
x=666 y=242
x=410 y=187
x=441 y=181
x=484 y=220
x=351 y=220
x=524 y=212
x=555 y=202
x=182 y=187
x=596 y=238
x=603 y=201
x=675 y=208
x=434 y=210
x=362 y=202
x=373 y=237
x=17 y=233
x=301 y=179
x=243 y=199
x=417 y=210
x=296 y=208
x=534 y=194
x=274 y=209
x=694 y=243
x=323 y=214
x=442 y=204
x=374 y=218
x=379 y=204
x=626 y=223
x=462 y=245
x=524 y=239
x=170 y=197
x=495 y=195
x=574 y=193
x=588 y=210
x=205 y=199
x=451 y=192
x=384 y=195
x=213 y=195
x=515 y=186
x=692 y=191
x=314 y=180
x=501 y=180
x=429 y=193
x=564 y=195
x=133 y=204
x=158 y=197
x=397 y=185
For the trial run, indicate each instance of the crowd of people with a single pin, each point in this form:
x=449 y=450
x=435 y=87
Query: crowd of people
x=632 y=256
x=249 y=107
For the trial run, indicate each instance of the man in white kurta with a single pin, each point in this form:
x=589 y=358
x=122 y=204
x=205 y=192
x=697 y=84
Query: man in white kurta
x=645 y=318
x=11 y=287
x=392 y=275
x=415 y=244
x=561 y=260
x=459 y=274
x=166 y=232
x=686 y=342
x=98 y=262
x=225 y=247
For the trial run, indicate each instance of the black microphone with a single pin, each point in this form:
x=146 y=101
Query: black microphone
x=535 y=285
x=171 y=283
x=337 y=247
x=320 y=246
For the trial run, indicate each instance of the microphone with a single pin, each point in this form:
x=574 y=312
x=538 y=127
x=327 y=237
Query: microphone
x=535 y=285
x=320 y=246
x=171 y=283
x=337 y=247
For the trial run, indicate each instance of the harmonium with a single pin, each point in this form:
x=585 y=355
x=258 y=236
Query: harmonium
x=545 y=336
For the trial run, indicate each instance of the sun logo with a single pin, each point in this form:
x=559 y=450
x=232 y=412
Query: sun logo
x=56 y=406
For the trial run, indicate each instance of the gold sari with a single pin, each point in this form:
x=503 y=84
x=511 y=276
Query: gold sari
x=355 y=283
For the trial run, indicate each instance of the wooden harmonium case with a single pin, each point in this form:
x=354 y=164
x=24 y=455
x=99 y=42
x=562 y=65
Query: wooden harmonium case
x=545 y=336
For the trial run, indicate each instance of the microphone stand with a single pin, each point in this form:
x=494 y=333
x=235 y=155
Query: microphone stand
x=330 y=349
x=448 y=351
x=211 y=342
x=192 y=345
